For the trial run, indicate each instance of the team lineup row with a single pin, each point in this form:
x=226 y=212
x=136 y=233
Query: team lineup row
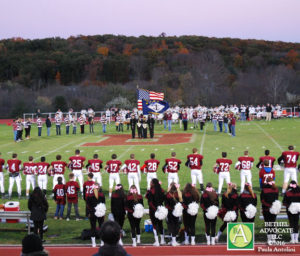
x=133 y=170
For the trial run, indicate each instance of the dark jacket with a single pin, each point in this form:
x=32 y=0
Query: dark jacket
x=92 y=202
x=48 y=123
x=130 y=203
x=245 y=199
x=117 y=205
x=268 y=196
x=153 y=201
x=38 y=210
x=206 y=202
x=111 y=250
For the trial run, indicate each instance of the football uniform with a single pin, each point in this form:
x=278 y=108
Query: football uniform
x=113 y=170
x=59 y=194
x=195 y=164
x=264 y=174
x=133 y=173
x=2 y=162
x=151 y=169
x=42 y=171
x=245 y=164
x=71 y=189
x=223 y=171
x=14 y=167
x=88 y=189
x=172 y=167
x=290 y=159
x=77 y=165
x=95 y=166
x=58 y=171
x=270 y=159
x=29 y=170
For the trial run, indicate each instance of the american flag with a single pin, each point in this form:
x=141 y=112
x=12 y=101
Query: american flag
x=148 y=95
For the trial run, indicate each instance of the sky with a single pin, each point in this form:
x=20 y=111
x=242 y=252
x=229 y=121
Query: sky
x=276 y=20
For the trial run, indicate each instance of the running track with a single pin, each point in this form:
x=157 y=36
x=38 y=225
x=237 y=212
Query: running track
x=150 y=250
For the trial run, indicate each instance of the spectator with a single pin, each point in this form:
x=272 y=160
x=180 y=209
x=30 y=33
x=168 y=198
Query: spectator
x=110 y=235
x=33 y=245
x=48 y=125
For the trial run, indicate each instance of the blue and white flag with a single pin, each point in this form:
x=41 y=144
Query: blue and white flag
x=154 y=106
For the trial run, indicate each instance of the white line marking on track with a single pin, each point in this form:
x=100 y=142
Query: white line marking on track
x=269 y=136
x=202 y=141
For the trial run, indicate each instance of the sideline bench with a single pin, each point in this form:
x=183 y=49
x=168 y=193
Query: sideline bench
x=17 y=215
x=280 y=216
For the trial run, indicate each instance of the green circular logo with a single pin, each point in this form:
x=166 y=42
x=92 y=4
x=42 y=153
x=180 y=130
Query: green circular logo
x=240 y=235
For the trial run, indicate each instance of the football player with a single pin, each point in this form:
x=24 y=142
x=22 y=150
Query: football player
x=289 y=158
x=267 y=156
x=195 y=162
x=95 y=165
x=266 y=172
x=113 y=168
x=42 y=172
x=132 y=168
x=245 y=164
x=88 y=187
x=57 y=169
x=2 y=190
x=76 y=164
x=29 y=170
x=172 y=167
x=72 y=189
x=151 y=166
x=222 y=167
x=14 y=167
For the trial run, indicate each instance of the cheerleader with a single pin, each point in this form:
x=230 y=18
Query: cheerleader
x=118 y=206
x=291 y=200
x=173 y=197
x=229 y=209
x=247 y=204
x=91 y=203
x=270 y=204
x=190 y=202
x=209 y=202
x=156 y=196
x=135 y=210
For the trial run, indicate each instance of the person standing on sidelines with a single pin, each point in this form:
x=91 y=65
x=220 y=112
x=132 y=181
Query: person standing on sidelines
x=14 y=168
x=58 y=123
x=74 y=124
x=169 y=119
x=57 y=169
x=67 y=123
x=48 y=125
x=113 y=168
x=185 y=120
x=214 y=119
x=103 y=121
x=29 y=170
x=2 y=189
x=60 y=199
x=39 y=124
x=195 y=162
x=233 y=123
x=132 y=168
x=172 y=167
x=268 y=112
x=42 y=172
x=133 y=123
x=151 y=166
x=71 y=189
x=15 y=129
x=289 y=158
x=151 y=123
x=27 y=126
x=245 y=164
x=222 y=168
x=82 y=121
x=76 y=163
x=95 y=165
x=267 y=157
x=19 y=129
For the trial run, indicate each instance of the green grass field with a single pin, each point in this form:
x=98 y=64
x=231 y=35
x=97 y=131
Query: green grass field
x=254 y=136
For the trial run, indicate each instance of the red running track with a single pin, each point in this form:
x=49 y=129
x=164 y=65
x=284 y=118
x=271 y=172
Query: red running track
x=160 y=251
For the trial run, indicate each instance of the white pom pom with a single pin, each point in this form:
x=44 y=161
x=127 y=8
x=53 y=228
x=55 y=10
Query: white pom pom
x=212 y=212
x=177 y=212
x=294 y=208
x=100 y=210
x=138 y=211
x=250 y=211
x=193 y=209
x=161 y=212
x=230 y=216
x=276 y=207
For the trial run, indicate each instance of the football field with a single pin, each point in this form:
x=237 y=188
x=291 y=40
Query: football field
x=254 y=136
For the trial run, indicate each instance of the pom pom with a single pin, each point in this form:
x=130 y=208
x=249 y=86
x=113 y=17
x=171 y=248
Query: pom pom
x=250 y=211
x=100 y=210
x=161 y=212
x=276 y=207
x=138 y=211
x=212 y=212
x=177 y=212
x=193 y=209
x=294 y=208
x=230 y=216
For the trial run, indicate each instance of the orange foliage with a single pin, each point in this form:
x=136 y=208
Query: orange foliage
x=103 y=50
x=182 y=49
x=163 y=46
x=17 y=39
x=127 y=49
x=291 y=58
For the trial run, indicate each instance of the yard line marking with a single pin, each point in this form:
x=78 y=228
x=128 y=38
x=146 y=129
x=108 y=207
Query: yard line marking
x=269 y=136
x=142 y=149
x=96 y=150
x=123 y=154
x=37 y=152
x=155 y=149
x=24 y=152
x=8 y=144
x=232 y=148
x=202 y=141
x=172 y=149
x=217 y=148
x=67 y=151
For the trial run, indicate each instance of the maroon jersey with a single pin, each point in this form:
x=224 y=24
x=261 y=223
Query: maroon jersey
x=2 y=162
x=14 y=165
x=71 y=189
x=59 y=194
x=195 y=161
x=152 y=165
x=290 y=159
x=95 y=165
x=270 y=159
x=246 y=162
x=113 y=166
x=173 y=164
x=29 y=168
x=88 y=188
x=169 y=116
x=132 y=165
x=263 y=175
x=59 y=167
x=42 y=168
x=77 y=162
x=224 y=164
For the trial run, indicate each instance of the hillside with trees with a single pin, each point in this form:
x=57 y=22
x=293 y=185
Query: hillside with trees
x=104 y=70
